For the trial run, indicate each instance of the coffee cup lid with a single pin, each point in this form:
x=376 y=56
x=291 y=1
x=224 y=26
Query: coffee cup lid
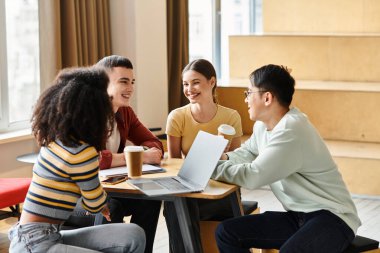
x=134 y=148
x=226 y=129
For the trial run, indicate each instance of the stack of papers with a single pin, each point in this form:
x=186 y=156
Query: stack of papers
x=123 y=170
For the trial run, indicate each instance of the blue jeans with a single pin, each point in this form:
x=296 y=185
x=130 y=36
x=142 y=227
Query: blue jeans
x=295 y=232
x=144 y=213
x=41 y=237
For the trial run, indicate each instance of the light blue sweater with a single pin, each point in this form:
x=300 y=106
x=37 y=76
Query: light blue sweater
x=294 y=160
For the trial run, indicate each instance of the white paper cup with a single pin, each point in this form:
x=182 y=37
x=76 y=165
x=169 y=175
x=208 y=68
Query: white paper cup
x=227 y=131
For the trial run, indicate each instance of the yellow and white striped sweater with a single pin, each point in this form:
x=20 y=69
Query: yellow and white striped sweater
x=60 y=177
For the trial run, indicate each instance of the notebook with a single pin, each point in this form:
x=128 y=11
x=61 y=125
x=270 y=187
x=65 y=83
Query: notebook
x=123 y=171
x=195 y=172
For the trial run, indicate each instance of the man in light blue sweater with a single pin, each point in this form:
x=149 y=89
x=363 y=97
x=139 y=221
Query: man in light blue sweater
x=286 y=152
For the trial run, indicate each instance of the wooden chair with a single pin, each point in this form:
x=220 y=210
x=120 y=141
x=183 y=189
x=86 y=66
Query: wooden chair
x=207 y=228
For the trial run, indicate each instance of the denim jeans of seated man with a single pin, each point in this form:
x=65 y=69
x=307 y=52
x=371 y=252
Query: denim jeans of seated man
x=39 y=237
x=295 y=232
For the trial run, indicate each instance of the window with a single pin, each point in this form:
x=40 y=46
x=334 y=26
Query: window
x=19 y=62
x=212 y=21
x=200 y=29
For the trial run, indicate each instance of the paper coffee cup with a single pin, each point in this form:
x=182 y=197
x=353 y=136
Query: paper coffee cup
x=134 y=160
x=227 y=131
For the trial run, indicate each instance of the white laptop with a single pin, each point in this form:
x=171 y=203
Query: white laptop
x=195 y=172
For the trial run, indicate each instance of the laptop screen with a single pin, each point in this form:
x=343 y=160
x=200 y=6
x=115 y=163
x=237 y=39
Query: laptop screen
x=202 y=158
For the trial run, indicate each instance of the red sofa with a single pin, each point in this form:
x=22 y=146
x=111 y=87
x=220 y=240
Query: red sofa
x=12 y=193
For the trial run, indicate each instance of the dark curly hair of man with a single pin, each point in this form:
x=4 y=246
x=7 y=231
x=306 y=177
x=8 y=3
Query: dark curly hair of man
x=75 y=108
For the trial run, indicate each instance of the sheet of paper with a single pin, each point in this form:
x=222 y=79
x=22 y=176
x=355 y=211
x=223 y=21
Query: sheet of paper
x=123 y=170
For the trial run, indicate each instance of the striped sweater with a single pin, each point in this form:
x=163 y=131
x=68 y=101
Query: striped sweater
x=60 y=177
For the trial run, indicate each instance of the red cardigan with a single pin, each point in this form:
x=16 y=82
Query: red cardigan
x=131 y=129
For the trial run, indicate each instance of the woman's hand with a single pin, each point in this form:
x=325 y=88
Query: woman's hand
x=227 y=147
x=152 y=156
x=106 y=213
x=234 y=144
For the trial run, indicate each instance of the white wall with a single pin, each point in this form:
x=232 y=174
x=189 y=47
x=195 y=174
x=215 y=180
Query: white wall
x=9 y=150
x=138 y=29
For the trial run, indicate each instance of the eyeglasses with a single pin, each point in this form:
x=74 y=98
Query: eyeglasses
x=247 y=93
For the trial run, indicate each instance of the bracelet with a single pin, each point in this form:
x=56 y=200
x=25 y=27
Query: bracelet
x=228 y=158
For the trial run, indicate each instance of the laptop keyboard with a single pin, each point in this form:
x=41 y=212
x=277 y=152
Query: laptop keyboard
x=170 y=184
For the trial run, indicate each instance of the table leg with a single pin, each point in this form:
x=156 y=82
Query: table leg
x=237 y=208
x=192 y=242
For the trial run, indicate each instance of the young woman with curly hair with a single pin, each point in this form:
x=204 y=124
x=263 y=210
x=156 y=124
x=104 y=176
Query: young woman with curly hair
x=71 y=122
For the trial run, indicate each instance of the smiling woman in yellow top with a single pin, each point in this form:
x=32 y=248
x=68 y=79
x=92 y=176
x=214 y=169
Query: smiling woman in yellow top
x=202 y=113
x=183 y=124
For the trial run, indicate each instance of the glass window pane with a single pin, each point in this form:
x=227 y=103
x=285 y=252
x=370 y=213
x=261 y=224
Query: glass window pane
x=237 y=18
x=200 y=29
x=22 y=57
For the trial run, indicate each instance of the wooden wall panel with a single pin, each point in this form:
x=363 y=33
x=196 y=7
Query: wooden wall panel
x=327 y=58
x=342 y=115
x=321 y=16
x=233 y=97
x=338 y=115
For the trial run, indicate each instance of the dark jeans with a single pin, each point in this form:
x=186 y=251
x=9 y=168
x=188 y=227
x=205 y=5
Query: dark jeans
x=295 y=232
x=199 y=209
x=144 y=213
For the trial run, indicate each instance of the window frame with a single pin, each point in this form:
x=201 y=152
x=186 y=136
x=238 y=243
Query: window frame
x=4 y=116
x=5 y=125
x=217 y=36
x=216 y=27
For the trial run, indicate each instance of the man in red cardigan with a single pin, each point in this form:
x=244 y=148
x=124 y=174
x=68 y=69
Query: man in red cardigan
x=128 y=129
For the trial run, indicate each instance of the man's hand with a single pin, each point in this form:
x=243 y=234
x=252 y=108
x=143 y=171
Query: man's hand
x=106 y=213
x=152 y=156
x=224 y=157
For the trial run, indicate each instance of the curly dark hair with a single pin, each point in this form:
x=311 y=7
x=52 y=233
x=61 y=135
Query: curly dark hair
x=75 y=108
